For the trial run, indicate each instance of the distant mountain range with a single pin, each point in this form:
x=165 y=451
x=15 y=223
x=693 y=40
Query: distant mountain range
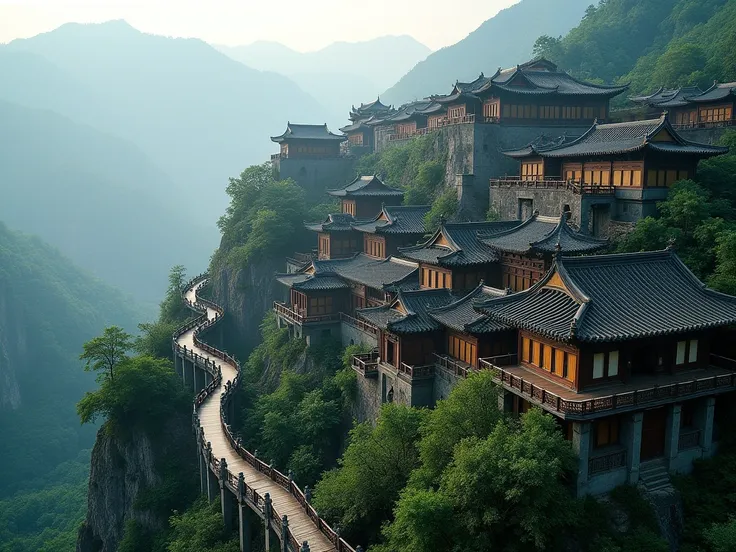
x=97 y=198
x=505 y=40
x=199 y=115
x=339 y=74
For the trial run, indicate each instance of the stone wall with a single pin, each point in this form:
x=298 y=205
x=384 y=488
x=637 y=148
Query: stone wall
x=444 y=383
x=703 y=135
x=351 y=335
x=317 y=175
x=368 y=401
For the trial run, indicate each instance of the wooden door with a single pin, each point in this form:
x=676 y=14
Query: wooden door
x=653 y=433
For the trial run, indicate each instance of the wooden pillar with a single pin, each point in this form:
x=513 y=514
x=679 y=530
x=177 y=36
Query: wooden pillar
x=226 y=502
x=270 y=536
x=284 y=534
x=245 y=529
x=202 y=463
x=710 y=410
x=672 y=436
x=634 y=452
x=211 y=477
x=188 y=368
x=178 y=365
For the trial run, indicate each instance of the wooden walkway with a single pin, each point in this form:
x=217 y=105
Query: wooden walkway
x=300 y=524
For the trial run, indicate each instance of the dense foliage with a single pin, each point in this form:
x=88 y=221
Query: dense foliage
x=650 y=43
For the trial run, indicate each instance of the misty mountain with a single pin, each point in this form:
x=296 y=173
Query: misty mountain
x=97 y=198
x=341 y=73
x=201 y=116
x=505 y=40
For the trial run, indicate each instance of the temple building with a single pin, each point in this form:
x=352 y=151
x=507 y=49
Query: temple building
x=360 y=134
x=325 y=294
x=365 y=196
x=308 y=141
x=691 y=107
x=336 y=237
x=394 y=227
x=623 y=350
x=613 y=172
x=455 y=258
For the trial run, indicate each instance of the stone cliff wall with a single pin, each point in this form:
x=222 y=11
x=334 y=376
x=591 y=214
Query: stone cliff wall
x=12 y=347
x=121 y=468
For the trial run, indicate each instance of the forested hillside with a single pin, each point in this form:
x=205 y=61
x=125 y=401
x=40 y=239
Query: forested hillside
x=503 y=41
x=650 y=43
x=198 y=114
x=98 y=198
x=48 y=308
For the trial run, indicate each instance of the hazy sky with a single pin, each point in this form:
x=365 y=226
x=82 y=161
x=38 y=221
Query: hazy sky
x=301 y=24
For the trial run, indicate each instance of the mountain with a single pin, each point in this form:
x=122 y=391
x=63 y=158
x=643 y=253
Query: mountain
x=98 y=198
x=341 y=73
x=505 y=40
x=48 y=308
x=668 y=43
x=199 y=115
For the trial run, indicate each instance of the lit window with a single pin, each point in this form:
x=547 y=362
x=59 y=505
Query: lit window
x=681 y=347
x=693 y=353
x=612 y=363
x=598 y=363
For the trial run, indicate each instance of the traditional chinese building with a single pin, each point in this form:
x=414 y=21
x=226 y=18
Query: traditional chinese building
x=527 y=251
x=359 y=133
x=395 y=226
x=613 y=172
x=623 y=350
x=336 y=238
x=690 y=107
x=326 y=293
x=455 y=258
x=308 y=141
x=365 y=196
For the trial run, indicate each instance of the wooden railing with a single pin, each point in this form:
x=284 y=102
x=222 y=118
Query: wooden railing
x=299 y=316
x=362 y=325
x=688 y=439
x=236 y=483
x=704 y=124
x=416 y=371
x=626 y=400
x=366 y=363
x=454 y=366
x=607 y=462
x=551 y=183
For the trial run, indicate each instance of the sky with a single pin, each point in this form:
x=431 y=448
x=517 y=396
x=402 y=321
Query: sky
x=303 y=25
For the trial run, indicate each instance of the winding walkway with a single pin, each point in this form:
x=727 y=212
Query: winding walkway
x=211 y=424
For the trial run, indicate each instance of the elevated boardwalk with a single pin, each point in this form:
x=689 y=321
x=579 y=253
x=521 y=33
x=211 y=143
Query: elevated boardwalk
x=227 y=470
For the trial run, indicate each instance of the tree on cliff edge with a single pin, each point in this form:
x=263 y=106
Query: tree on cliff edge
x=103 y=353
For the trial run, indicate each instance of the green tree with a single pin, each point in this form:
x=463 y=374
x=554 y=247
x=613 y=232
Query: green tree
x=724 y=277
x=360 y=493
x=104 y=353
x=200 y=529
x=722 y=537
x=445 y=206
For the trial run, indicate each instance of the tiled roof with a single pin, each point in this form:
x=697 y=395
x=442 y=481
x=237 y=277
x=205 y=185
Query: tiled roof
x=463 y=249
x=396 y=219
x=409 y=110
x=335 y=222
x=308 y=282
x=461 y=315
x=716 y=92
x=369 y=109
x=616 y=297
x=374 y=273
x=307 y=132
x=367 y=186
x=417 y=305
x=619 y=138
x=544 y=234
x=357 y=125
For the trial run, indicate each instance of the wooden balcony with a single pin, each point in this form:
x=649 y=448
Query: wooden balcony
x=704 y=124
x=639 y=392
x=415 y=372
x=363 y=326
x=552 y=183
x=366 y=364
x=454 y=366
x=299 y=316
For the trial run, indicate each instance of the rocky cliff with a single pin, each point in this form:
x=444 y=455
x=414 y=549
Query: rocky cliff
x=12 y=347
x=122 y=469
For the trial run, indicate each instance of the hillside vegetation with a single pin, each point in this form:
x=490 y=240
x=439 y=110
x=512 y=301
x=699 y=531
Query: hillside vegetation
x=503 y=41
x=650 y=43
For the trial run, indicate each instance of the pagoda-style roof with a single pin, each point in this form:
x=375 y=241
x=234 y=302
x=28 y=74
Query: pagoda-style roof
x=544 y=235
x=716 y=92
x=303 y=281
x=335 y=222
x=668 y=97
x=367 y=186
x=381 y=274
x=396 y=219
x=457 y=244
x=409 y=312
x=307 y=132
x=366 y=110
x=618 y=297
x=462 y=316
x=618 y=138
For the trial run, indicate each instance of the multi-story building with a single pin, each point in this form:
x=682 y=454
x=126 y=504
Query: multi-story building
x=690 y=107
x=613 y=172
x=365 y=196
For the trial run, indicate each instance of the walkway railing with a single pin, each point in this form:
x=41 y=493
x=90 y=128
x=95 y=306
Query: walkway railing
x=362 y=325
x=625 y=400
x=416 y=371
x=551 y=183
x=704 y=124
x=236 y=483
x=450 y=364
x=300 y=316
x=366 y=363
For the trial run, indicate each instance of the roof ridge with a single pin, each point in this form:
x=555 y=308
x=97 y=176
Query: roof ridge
x=478 y=289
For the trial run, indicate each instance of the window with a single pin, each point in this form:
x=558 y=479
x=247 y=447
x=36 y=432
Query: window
x=686 y=350
x=613 y=363
x=320 y=305
x=435 y=279
x=599 y=360
x=462 y=350
x=606 y=432
x=549 y=358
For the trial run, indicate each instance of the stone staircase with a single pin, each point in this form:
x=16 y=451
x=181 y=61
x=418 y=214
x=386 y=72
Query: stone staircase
x=654 y=477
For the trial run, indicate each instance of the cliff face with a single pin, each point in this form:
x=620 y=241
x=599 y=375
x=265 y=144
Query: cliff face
x=247 y=294
x=12 y=347
x=121 y=468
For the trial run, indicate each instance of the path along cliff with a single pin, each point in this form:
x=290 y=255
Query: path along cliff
x=227 y=470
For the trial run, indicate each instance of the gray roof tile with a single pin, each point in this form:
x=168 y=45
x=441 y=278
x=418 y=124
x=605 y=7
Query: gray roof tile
x=307 y=132
x=461 y=315
x=335 y=222
x=367 y=186
x=308 y=282
x=374 y=273
x=417 y=305
x=396 y=219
